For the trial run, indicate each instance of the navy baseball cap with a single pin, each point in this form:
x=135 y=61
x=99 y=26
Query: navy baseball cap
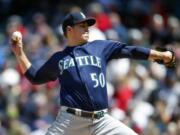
x=76 y=17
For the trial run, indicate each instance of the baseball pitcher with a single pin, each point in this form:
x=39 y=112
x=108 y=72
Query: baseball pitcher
x=81 y=70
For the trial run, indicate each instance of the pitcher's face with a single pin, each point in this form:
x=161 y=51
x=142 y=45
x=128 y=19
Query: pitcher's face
x=81 y=32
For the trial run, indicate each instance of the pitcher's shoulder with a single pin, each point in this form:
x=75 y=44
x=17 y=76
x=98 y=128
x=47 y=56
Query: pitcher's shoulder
x=98 y=43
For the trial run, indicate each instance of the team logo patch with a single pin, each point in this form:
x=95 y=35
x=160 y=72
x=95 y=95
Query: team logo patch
x=84 y=17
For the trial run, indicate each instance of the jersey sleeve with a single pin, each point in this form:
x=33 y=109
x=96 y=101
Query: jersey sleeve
x=47 y=72
x=114 y=50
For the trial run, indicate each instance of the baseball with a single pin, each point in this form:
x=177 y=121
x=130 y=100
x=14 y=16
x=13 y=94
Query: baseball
x=16 y=35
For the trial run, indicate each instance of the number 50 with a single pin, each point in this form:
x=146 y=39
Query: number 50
x=98 y=80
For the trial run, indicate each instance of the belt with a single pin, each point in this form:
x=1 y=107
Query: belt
x=85 y=114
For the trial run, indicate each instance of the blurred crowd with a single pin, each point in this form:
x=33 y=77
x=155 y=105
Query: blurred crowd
x=144 y=95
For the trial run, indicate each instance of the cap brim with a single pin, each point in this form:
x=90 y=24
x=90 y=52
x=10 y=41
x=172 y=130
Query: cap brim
x=90 y=21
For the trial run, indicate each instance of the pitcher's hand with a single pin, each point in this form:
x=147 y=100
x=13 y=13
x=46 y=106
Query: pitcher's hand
x=169 y=59
x=16 y=43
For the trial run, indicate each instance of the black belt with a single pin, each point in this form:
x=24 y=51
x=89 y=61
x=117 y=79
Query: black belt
x=86 y=114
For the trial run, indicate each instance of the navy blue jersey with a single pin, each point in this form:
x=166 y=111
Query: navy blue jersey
x=81 y=71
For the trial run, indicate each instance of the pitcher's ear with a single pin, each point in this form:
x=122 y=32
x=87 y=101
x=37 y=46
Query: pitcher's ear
x=69 y=28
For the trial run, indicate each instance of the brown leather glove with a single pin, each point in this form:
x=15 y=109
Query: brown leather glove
x=172 y=62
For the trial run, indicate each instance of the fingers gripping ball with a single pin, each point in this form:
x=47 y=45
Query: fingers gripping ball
x=16 y=36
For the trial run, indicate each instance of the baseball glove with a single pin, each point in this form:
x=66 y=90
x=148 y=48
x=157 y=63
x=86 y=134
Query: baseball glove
x=172 y=62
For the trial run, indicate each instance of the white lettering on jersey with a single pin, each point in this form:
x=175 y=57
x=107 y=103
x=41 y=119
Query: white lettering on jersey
x=81 y=61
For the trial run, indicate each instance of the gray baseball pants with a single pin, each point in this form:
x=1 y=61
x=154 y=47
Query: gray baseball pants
x=69 y=124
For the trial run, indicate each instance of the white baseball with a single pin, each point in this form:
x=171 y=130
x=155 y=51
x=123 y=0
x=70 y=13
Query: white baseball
x=16 y=35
